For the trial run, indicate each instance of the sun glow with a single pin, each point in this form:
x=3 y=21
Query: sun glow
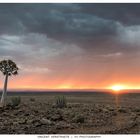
x=117 y=87
x=64 y=86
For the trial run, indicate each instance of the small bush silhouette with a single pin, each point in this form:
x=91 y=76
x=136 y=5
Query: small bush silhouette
x=78 y=119
x=32 y=99
x=60 y=102
x=16 y=101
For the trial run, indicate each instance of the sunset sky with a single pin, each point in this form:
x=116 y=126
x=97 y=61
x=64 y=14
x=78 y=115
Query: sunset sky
x=71 y=46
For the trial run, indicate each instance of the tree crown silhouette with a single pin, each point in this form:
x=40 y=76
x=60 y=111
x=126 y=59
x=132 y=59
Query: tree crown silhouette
x=8 y=67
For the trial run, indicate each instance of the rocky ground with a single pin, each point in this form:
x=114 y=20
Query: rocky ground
x=36 y=117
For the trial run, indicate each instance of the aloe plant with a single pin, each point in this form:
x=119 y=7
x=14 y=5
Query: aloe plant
x=15 y=101
x=60 y=101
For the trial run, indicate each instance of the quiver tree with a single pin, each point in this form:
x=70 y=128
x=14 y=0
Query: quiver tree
x=8 y=68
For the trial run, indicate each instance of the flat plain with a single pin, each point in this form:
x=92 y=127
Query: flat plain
x=85 y=113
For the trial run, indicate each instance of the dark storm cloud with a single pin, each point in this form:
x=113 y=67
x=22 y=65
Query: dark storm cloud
x=63 y=22
x=90 y=26
x=54 y=20
x=125 y=13
x=17 y=18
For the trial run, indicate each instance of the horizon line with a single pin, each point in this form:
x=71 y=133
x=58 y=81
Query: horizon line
x=78 y=89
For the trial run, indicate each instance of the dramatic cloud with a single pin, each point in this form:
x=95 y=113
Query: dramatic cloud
x=127 y=14
x=130 y=35
x=71 y=43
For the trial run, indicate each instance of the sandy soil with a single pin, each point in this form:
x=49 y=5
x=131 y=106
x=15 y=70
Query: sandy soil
x=84 y=114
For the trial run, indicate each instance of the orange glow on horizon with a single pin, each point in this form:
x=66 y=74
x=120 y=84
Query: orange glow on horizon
x=118 y=87
x=64 y=86
x=41 y=83
x=115 y=88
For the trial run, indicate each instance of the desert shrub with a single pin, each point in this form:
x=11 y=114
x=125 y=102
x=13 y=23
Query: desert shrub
x=122 y=110
x=32 y=99
x=136 y=110
x=15 y=101
x=60 y=101
x=72 y=115
x=79 y=118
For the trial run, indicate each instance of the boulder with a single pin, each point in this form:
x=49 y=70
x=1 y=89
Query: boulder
x=45 y=121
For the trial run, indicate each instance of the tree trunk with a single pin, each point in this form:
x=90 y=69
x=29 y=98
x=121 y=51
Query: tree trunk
x=4 y=94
